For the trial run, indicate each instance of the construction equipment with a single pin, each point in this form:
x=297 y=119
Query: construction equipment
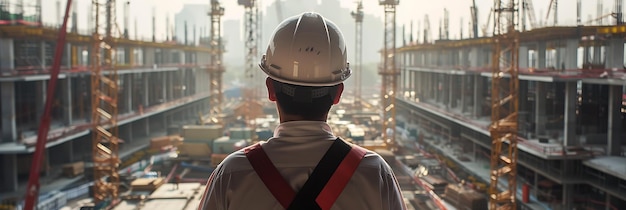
x=474 y=12
x=529 y=11
x=252 y=37
x=553 y=6
x=389 y=74
x=426 y=29
x=358 y=53
x=504 y=105
x=216 y=69
x=32 y=189
x=104 y=104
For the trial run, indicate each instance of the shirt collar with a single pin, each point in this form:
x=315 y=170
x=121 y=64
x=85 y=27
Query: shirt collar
x=303 y=130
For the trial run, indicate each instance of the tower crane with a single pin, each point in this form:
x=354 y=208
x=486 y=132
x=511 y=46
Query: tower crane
x=251 y=28
x=104 y=98
x=553 y=6
x=216 y=70
x=474 y=11
x=529 y=9
x=389 y=74
x=504 y=105
x=32 y=189
x=358 y=52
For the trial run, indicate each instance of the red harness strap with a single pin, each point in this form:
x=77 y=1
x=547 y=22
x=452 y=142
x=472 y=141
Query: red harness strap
x=269 y=175
x=281 y=190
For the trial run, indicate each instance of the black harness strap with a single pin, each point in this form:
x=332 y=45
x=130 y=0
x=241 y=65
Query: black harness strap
x=305 y=198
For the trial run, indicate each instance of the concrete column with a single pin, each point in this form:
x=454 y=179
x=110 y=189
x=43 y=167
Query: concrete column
x=129 y=132
x=9 y=127
x=473 y=151
x=452 y=91
x=608 y=200
x=540 y=108
x=8 y=183
x=569 y=127
x=567 y=196
x=146 y=89
x=478 y=96
x=524 y=110
x=70 y=151
x=614 y=130
x=570 y=56
x=42 y=54
x=146 y=126
x=536 y=184
x=462 y=91
x=541 y=55
x=164 y=86
x=473 y=57
x=170 y=84
x=615 y=54
x=149 y=56
x=128 y=86
x=523 y=57
x=66 y=100
x=6 y=56
x=40 y=97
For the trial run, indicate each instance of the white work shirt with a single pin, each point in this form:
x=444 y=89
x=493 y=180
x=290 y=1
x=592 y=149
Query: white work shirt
x=295 y=150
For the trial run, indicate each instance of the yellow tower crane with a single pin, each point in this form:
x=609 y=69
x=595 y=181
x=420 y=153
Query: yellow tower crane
x=358 y=53
x=389 y=74
x=104 y=98
x=504 y=105
x=216 y=69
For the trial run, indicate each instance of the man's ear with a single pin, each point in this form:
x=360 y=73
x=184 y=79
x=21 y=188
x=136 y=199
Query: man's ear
x=271 y=94
x=338 y=94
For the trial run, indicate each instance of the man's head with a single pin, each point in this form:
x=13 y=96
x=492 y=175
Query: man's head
x=306 y=62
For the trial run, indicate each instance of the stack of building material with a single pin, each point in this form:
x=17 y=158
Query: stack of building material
x=73 y=169
x=227 y=145
x=197 y=150
x=146 y=184
x=202 y=133
x=240 y=133
x=164 y=141
x=465 y=198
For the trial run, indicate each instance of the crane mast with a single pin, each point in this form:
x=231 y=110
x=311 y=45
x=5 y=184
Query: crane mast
x=358 y=52
x=216 y=70
x=251 y=28
x=104 y=101
x=389 y=74
x=504 y=105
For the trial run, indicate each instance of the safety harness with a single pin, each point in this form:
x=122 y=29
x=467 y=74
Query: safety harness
x=323 y=187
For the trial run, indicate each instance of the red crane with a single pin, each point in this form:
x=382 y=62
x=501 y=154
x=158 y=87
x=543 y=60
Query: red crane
x=32 y=190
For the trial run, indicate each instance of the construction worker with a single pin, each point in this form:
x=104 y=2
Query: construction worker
x=177 y=180
x=304 y=165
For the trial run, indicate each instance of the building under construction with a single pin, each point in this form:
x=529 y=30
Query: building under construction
x=532 y=116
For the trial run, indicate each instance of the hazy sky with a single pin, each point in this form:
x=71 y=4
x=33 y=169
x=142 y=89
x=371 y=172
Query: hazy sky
x=408 y=10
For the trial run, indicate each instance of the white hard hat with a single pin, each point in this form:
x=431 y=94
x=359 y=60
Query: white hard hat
x=307 y=50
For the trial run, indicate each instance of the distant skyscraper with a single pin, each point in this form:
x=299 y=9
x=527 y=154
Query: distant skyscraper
x=196 y=16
